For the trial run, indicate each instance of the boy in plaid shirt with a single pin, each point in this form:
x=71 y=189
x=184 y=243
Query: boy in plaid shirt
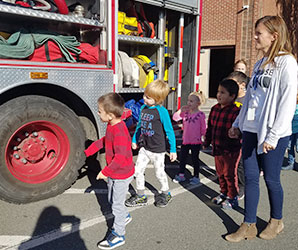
x=226 y=151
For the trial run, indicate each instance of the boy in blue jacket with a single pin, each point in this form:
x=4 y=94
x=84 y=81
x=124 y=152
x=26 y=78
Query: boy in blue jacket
x=153 y=128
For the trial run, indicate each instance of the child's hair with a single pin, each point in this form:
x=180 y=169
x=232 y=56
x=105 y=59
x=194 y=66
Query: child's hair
x=240 y=61
x=200 y=95
x=238 y=76
x=231 y=86
x=157 y=90
x=112 y=103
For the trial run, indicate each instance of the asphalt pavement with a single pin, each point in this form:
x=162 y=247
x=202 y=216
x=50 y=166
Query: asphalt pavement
x=79 y=218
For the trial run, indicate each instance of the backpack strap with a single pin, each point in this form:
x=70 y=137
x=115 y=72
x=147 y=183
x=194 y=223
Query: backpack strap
x=46 y=48
x=144 y=21
x=48 y=57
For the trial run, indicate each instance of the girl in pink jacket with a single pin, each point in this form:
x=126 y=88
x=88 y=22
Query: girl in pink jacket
x=194 y=128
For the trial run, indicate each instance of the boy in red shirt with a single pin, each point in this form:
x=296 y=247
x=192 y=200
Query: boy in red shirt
x=120 y=166
x=226 y=151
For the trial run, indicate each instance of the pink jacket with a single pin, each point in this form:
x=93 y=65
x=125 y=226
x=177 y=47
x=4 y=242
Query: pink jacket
x=194 y=126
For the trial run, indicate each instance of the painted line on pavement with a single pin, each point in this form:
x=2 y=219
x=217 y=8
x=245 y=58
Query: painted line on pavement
x=19 y=242
x=105 y=191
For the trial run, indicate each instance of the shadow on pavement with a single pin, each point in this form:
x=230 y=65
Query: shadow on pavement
x=53 y=225
x=205 y=194
x=101 y=190
x=93 y=166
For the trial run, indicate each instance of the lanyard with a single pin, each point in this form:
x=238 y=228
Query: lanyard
x=256 y=75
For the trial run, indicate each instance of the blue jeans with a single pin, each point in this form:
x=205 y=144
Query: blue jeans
x=291 y=153
x=271 y=164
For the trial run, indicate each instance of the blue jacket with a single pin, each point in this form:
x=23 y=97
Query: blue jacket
x=154 y=128
x=295 y=121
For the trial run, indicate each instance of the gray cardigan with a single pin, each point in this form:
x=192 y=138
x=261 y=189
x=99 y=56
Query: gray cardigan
x=280 y=103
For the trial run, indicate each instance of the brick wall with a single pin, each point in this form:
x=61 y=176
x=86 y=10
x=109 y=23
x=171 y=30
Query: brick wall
x=269 y=8
x=223 y=26
x=219 y=22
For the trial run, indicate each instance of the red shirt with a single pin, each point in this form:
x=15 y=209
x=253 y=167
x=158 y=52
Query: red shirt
x=117 y=143
x=220 y=120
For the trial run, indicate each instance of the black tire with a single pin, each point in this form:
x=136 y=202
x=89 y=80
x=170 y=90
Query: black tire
x=15 y=115
x=91 y=135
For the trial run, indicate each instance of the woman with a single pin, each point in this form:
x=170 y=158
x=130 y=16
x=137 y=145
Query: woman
x=265 y=124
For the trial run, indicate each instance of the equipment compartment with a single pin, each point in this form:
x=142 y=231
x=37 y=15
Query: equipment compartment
x=87 y=31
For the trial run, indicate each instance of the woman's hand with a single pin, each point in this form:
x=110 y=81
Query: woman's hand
x=267 y=147
x=234 y=133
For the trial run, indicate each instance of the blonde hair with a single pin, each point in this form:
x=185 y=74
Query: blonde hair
x=276 y=25
x=240 y=61
x=199 y=95
x=112 y=103
x=157 y=90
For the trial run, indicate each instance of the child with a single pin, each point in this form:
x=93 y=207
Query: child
x=240 y=65
x=151 y=131
x=226 y=151
x=293 y=142
x=120 y=166
x=242 y=81
x=194 y=127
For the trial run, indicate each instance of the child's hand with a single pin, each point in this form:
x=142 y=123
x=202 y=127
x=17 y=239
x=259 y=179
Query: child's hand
x=100 y=176
x=203 y=138
x=134 y=146
x=184 y=108
x=267 y=147
x=234 y=133
x=173 y=157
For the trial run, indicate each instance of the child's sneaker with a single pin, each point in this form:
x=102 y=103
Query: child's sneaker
x=240 y=197
x=179 y=178
x=219 y=199
x=128 y=219
x=194 y=181
x=288 y=167
x=163 y=200
x=136 y=200
x=113 y=240
x=230 y=204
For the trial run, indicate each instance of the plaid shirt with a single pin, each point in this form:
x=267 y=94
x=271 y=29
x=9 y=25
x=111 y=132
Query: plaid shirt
x=219 y=122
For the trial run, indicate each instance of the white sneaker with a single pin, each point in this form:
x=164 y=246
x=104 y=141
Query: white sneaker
x=113 y=240
x=219 y=199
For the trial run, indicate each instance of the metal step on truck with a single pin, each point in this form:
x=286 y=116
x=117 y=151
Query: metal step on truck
x=58 y=56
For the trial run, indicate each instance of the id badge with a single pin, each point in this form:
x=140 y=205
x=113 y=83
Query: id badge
x=251 y=114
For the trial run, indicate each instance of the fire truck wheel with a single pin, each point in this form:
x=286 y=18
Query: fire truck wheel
x=41 y=148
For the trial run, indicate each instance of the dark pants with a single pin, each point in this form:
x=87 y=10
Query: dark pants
x=291 y=151
x=226 y=169
x=241 y=177
x=271 y=164
x=195 y=150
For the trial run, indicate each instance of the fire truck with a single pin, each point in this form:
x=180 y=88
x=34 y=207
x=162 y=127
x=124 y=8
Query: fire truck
x=48 y=106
